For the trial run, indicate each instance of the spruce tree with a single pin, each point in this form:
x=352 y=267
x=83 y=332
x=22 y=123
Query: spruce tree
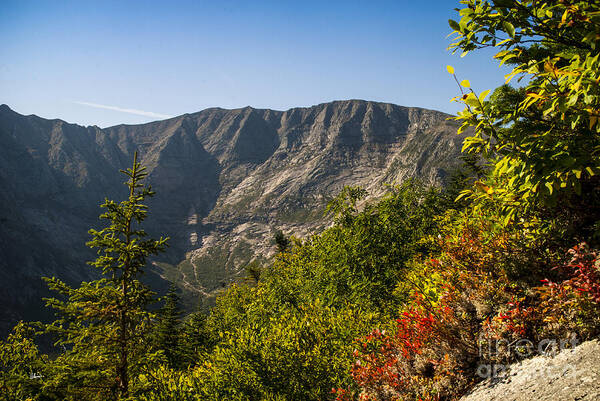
x=103 y=325
x=168 y=328
x=195 y=338
x=282 y=242
x=22 y=366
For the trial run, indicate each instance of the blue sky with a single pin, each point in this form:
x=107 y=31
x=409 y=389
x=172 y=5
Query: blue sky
x=147 y=60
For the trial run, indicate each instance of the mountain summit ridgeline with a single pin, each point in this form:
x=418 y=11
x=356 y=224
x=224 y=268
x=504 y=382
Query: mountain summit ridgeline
x=226 y=180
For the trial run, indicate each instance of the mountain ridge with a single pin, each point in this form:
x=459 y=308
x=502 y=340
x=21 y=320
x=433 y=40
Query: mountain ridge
x=225 y=180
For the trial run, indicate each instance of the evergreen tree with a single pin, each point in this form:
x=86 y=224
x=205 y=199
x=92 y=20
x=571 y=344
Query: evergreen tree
x=282 y=242
x=463 y=177
x=22 y=366
x=168 y=328
x=103 y=325
x=254 y=270
x=195 y=338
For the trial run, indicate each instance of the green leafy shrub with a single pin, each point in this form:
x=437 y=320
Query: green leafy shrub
x=477 y=291
x=290 y=334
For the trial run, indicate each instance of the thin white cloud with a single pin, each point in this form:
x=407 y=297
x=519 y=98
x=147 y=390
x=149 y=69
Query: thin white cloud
x=123 y=110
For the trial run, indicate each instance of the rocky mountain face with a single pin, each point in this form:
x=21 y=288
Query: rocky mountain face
x=225 y=181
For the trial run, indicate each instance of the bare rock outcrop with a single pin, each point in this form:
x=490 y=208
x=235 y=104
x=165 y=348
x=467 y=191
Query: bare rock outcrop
x=571 y=375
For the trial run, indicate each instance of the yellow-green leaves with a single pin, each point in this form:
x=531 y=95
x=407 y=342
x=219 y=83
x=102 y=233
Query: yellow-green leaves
x=450 y=69
x=510 y=29
x=545 y=133
x=483 y=95
x=471 y=100
x=506 y=55
x=454 y=25
x=590 y=171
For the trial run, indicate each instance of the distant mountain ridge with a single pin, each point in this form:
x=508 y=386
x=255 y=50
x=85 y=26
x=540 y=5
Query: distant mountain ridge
x=225 y=180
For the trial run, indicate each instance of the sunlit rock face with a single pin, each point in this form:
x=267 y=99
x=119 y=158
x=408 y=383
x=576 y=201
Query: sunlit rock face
x=225 y=180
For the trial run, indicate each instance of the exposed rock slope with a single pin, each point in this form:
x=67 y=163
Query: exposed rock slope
x=572 y=375
x=225 y=180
